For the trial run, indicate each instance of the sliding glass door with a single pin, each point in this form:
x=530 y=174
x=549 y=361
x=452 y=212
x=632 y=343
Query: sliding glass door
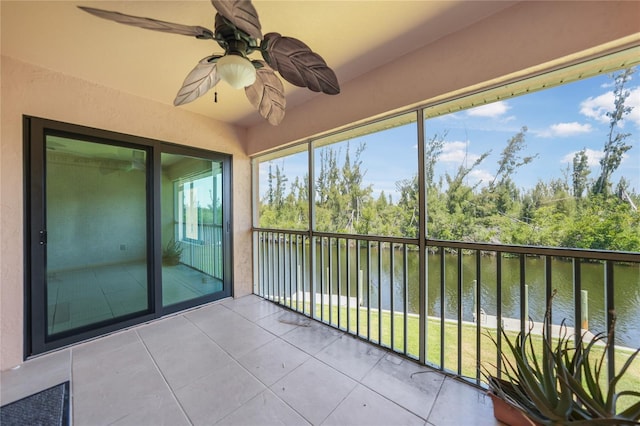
x=96 y=244
x=192 y=228
x=121 y=230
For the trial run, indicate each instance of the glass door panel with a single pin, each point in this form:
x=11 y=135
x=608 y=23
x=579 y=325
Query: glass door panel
x=96 y=233
x=192 y=228
x=120 y=230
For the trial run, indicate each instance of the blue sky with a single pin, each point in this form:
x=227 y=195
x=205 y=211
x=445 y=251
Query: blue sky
x=560 y=122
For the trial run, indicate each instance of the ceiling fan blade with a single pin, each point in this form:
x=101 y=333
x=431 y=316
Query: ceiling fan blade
x=151 y=24
x=298 y=64
x=242 y=14
x=198 y=82
x=267 y=94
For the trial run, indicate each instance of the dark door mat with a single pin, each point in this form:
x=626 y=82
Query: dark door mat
x=45 y=408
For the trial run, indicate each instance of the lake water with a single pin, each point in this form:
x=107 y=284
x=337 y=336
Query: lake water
x=378 y=275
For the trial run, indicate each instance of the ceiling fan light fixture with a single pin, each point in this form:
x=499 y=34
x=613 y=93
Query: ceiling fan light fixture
x=236 y=70
x=239 y=33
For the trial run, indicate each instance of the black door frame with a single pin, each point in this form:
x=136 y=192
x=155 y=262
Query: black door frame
x=168 y=148
x=35 y=130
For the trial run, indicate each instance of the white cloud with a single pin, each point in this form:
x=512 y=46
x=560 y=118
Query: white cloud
x=456 y=152
x=596 y=108
x=593 y=157
x=634 y=101
x=495 y=109
x=478 y=175
x=565 y=129
x=568 y=129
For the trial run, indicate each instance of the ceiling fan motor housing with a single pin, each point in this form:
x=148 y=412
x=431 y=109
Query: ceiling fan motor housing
x=233 y=40
x=237 y=47
x=239 y=33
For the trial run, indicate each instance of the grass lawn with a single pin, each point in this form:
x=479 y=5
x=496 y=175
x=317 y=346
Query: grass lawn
x=369 y=328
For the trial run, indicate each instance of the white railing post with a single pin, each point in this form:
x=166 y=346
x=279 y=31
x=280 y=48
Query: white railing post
x=584 y=311
x=360 y=278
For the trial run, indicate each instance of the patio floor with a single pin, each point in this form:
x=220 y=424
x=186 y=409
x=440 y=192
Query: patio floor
x=95 y=293
x=245 y=362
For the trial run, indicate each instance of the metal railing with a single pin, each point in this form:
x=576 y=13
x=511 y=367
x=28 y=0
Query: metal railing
x=439 y=310
x=206 y=253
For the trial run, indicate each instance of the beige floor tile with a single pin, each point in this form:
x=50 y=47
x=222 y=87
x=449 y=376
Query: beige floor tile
x=256 y=311
x=407 y=383
x=476 y=410
x=169 y=414
x=240 y=337
x=244 y=300
x=109 y=387
x=246 y=362
x=165 y=333
x=314 y=390
x=264 y=410
x=351 y=356
x=273 y=361
x=217 y=395
x=188 y=358
x=367 y=408
x=312 y=339
x=210 y=315
x=35 y=375
x=283 y=322
x=103 y=346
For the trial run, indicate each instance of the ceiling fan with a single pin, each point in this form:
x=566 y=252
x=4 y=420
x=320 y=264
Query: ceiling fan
x=238 y=32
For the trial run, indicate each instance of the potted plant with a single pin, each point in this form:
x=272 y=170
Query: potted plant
x=560 y=383
x=171 y=253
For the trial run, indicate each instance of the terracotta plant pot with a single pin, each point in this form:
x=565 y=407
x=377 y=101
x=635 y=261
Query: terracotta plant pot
x=508 y=414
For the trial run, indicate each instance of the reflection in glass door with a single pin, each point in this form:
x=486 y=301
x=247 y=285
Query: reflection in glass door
x=192 y=228
x=96 y=233
x=120 y=230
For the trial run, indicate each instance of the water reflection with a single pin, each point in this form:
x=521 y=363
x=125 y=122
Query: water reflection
x=375 y=269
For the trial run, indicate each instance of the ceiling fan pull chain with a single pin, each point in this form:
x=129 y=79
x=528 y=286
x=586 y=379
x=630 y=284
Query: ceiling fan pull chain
x=238 y=31
x=215 y=97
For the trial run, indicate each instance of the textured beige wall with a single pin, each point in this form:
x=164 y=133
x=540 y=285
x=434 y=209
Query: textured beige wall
x=525 y=35
x=30 y=90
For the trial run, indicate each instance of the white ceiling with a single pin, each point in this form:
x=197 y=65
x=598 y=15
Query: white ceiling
x=352 y=36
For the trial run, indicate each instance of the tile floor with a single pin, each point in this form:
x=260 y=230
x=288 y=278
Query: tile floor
x=85 y=296
x=245 y=362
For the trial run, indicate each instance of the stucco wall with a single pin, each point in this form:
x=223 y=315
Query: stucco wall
x=31 y=90
x=79 y=216
x=514 y=40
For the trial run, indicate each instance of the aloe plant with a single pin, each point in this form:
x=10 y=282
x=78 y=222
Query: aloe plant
x=172 y=252
x=562 y=384
x=597 y=400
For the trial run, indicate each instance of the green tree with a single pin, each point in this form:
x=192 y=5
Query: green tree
x=510 y=159
x=573 y=211
x=615 y=146
x=273 y=203
x=408 y=213
x=341 y=196
x=329 y=201
x=433 y=150
x=499 y=206
x=605 y=223
x=352 y=189
x=459 y=201
x=580 y=173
